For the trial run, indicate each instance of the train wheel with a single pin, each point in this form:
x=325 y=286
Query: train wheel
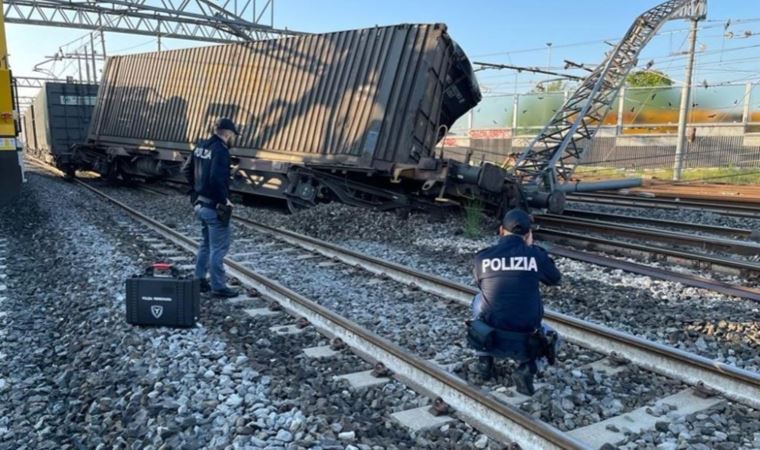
x=296 y=204
x=302 y=193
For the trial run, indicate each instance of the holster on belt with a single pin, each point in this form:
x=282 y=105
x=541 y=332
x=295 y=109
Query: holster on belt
x=544 y=344
x=224 y=212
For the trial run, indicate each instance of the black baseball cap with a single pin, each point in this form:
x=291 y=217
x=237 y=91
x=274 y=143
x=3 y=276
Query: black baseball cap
x=516 y=221
x=226 y=124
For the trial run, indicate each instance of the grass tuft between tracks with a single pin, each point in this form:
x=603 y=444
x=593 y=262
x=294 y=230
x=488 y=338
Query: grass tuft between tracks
x=473 y=219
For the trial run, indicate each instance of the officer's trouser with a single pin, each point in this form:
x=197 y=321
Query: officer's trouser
x=529 y=364
x=213 y=247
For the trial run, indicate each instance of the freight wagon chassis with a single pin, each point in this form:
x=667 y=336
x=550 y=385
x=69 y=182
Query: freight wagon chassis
x=420 y=189
x=302 y=187
x=431 y=185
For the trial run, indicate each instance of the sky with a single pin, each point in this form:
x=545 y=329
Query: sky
x=500 y=31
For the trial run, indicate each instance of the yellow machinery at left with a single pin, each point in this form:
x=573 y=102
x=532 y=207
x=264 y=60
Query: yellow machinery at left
x=11 y=170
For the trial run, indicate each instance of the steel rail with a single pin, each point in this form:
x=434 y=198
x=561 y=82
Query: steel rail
x=732 y=290
x=652 y=249
x=714 y=229
x=484 y=411
x=707 y=242
x=643 y=202
x=733 y=382
x=379 y=265
x=727 y=203
x=690 y=201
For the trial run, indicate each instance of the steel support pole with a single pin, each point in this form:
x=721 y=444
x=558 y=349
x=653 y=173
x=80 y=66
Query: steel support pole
x=86 y=63
x=746 y=108
x=515 y=105
x=620 y=112
x=103 y=44
x=683 y=113
x=94 y=64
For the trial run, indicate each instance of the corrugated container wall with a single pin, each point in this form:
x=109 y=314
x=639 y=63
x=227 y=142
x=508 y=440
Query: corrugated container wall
x=59 y=117
x=27 y=126
x=358 y=98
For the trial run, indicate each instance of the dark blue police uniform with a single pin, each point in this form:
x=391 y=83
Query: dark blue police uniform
x=508 y=275
x=208 y=172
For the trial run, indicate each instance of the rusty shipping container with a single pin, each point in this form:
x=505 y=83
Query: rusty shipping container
x=368 y=98
x=352 y=116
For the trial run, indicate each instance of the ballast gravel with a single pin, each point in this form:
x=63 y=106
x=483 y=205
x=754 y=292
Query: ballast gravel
x=75 y=375
x=696 y=320
x=575 y=397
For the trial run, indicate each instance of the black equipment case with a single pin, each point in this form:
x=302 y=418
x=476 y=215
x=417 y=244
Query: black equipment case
x=161 y=297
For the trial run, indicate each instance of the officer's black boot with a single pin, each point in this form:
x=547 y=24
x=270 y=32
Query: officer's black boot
x=225 y=292
x=523 y=379
x=485 y=364
x=205 y=286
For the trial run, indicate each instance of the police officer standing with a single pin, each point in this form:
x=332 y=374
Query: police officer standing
x=208 y=172
x=508 y=275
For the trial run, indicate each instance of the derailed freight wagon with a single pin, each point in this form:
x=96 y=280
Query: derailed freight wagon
x=352 y=116
x=57 y=121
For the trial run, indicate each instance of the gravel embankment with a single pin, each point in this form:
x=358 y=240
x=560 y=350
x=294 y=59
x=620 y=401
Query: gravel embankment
x=574 y=397
x=696 y=320
x=422 y=324
x=75 y=375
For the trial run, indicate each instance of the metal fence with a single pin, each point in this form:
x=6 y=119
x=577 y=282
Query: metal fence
x=707 y=151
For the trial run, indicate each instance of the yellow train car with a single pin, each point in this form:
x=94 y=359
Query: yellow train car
x=11 y=174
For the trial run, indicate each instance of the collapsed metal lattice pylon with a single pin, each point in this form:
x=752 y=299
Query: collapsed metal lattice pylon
x=552 y=156
x=202 y=20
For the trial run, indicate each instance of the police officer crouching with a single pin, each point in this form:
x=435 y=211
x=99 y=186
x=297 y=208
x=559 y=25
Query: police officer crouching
x=208 y=172
x=507 y=312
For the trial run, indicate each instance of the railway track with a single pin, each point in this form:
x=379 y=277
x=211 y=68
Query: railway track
x=729 y=232
x=714 y=244
x=483 y=409
x=725 y=208
x=500 y=420
x=556 y=227
x=702 y=261
x=583 y=220
x=582 y=332
x=356 y=258
x=731 y=382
